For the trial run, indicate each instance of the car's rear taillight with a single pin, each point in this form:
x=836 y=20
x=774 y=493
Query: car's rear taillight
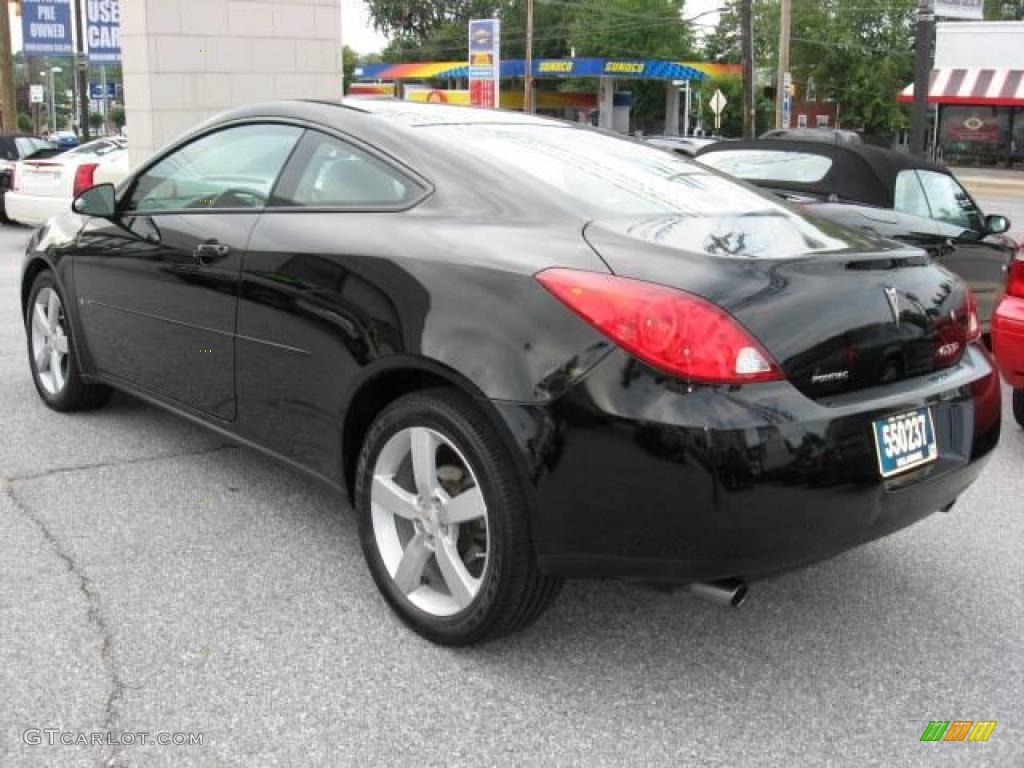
x=673 y=331
x=84 y=177
x=955 y=332
x=973 y=321
x=1015 y=277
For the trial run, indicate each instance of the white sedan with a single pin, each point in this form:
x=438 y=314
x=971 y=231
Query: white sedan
x=44 y=188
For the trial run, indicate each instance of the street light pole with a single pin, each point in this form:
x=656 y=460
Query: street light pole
x=785 y=24
x=924 y=34
x=53 y=106
x=53 y=99
x=528 y=107
x=747 y=57
x=80 y=72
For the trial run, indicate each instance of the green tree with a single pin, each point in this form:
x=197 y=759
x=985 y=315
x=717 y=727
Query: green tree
x=859 y=53
x=117 y=117
x=95 y=120
x=25 y=124
x=349 y=58
x=652 y=29
x=731 y=87
x=417 y=20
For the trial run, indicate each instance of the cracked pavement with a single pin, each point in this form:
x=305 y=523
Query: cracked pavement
x=153 y=579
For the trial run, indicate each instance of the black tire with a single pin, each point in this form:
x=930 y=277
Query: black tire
x=513 y=592
x=76 y=394
x=1018 y=406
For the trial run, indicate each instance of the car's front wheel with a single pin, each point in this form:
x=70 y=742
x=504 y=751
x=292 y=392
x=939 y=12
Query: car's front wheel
x=443 y=521
x=51 y=351
x=1018 y=406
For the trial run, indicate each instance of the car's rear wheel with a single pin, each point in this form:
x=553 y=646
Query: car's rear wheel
x=1018 y=406
x=443 y=521
x=51 y=351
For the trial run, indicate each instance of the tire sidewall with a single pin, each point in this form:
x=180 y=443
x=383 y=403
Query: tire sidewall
x=65 y=397
x=419 y=412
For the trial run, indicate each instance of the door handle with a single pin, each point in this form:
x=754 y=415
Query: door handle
x=208 y=253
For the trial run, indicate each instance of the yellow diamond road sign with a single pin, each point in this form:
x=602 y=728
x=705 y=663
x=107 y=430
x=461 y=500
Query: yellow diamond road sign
x=718 y=102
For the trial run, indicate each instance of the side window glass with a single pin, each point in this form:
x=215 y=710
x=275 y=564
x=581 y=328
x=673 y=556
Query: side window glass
x=232 y=168
x=910 y=196
x=949 y=202
x=338 y=174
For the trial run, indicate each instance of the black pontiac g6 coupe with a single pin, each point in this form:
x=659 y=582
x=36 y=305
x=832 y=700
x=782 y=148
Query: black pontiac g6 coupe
x=526 y=350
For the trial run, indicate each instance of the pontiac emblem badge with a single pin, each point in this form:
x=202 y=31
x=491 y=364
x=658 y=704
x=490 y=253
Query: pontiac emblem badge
x=894 y=302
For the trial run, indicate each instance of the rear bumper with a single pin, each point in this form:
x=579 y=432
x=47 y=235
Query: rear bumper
x=32 y=210
x=1008 y=339
x=640 y=476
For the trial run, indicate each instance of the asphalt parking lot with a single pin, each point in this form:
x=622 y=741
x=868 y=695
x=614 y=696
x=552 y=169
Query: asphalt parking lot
x=155 y=579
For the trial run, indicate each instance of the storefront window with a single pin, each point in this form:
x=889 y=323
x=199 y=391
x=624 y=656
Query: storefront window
x=977 y=135
x=1017 y=138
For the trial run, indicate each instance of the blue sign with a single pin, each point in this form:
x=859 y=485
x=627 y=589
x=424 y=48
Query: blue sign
x=103 y=30
x=96 y=91
x=46 y=27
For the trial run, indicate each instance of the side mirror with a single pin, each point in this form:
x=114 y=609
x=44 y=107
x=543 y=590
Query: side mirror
x=98 y=201
x=996 y=225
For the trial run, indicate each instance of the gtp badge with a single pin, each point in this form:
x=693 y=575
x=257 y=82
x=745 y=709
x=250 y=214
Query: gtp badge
x=894 y=302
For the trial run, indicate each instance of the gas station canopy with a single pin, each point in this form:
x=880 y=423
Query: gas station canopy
x=637 y=69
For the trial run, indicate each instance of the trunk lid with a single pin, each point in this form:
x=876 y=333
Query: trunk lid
x=839 y=310
x=44 y=178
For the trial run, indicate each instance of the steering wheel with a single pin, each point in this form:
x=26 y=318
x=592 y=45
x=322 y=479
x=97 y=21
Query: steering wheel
x=238 y=198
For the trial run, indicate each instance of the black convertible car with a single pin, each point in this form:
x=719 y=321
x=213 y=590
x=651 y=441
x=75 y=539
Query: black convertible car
x=884 y=192
x=527 y=350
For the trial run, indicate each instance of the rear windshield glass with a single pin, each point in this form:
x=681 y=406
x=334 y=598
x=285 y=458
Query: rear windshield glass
x=767 y=165
x=601 y=175
x=97 y=148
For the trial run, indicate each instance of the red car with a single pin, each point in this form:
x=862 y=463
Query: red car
x=1008 y=334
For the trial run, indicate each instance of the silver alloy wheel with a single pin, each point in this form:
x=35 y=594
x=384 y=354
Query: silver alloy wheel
x=430 y=521
x=49 y=341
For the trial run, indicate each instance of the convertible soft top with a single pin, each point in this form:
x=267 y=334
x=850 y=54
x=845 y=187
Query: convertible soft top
x=859 y=173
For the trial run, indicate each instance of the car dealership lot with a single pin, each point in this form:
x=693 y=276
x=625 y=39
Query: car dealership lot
x=154 y=579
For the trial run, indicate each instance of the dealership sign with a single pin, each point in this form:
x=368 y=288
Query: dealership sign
x=103 y=30
x=46 y=27
x=484 y=62
x=960 y=9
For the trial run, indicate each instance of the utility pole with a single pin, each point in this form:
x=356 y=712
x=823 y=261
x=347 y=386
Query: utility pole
x=781 y=80
x=747 y=57
x=924 y=35
x=9 y=110
x=81 y=73
x=528 y=103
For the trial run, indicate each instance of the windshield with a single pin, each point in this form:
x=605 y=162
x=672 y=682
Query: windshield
x=769 y=165
x=601 y=175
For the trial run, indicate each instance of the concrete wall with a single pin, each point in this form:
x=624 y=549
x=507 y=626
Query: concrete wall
x=187 y=60
x=985 y=44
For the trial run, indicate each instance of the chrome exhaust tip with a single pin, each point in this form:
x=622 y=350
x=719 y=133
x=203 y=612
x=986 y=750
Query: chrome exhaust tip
x=727 y=592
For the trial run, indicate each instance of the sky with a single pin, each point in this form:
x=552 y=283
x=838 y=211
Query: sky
x=358 y=33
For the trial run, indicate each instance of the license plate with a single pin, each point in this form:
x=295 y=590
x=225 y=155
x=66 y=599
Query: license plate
x=905 y=441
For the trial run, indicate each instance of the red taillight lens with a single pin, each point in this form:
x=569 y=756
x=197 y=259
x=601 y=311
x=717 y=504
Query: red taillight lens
x=1015 y=278
x=673 y=331
x=954 y=332
x=84 y=177
x=973 y=323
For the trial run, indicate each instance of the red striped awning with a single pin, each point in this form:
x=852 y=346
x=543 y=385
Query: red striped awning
x=973 y=85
